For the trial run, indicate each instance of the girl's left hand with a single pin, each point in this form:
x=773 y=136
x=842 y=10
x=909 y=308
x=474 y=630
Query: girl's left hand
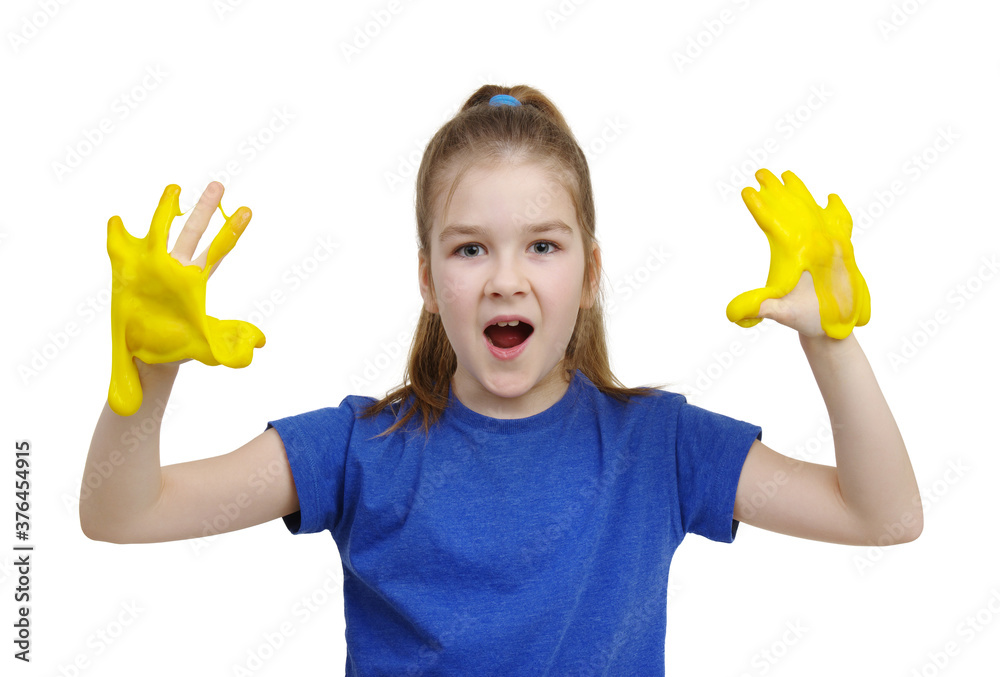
x=798 y=309
x=803 y=237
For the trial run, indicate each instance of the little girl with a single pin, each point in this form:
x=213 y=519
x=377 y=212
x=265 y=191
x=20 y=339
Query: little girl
x=511 y=508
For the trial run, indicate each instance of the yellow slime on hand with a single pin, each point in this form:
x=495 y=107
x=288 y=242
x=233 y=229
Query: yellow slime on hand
x=802 y=236
x=158 y=305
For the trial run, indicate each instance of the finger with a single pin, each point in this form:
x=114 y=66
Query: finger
x=228 y=235
x=836 y=208
x=166 y=210
x=767 y=180
x=795 y=185
x=225 y=240
x=197 y=222
x=755 y=203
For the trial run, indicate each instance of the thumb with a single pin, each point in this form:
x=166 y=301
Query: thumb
x=772 y=309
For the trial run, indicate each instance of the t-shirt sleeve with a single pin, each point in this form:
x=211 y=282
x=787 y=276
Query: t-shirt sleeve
x=711 y=449
x=316 y=445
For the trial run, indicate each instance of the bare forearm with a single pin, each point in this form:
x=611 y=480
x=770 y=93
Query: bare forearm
x=122 y=477
x=876 y=478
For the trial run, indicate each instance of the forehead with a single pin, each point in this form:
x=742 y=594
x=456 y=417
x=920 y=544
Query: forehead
x=505 y=196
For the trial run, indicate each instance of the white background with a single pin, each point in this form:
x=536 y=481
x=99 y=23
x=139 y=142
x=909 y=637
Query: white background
x=896 y=78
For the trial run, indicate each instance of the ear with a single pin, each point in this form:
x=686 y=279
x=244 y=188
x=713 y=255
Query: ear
x=590 y=295
x=426 y=283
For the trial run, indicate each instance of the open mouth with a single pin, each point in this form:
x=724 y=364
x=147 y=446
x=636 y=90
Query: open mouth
x=509 y=336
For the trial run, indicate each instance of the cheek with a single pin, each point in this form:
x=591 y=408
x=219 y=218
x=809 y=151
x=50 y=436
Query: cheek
x=452 y=290
x=565 y=284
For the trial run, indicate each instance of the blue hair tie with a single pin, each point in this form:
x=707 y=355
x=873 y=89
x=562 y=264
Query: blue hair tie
x=504 y=100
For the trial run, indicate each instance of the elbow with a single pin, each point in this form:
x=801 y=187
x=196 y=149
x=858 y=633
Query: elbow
x=908 y=536
x=90 y=531
x=98 y=529
x=915 y=524
x=87 y=525
x=109 y=530
x=915 y=529
x=102 y=536
x=905 y=528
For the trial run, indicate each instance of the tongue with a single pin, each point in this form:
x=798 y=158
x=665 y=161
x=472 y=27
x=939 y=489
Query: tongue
x=507 y=337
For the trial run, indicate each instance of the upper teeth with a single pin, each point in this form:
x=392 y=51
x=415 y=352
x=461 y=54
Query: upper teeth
x=512 y=323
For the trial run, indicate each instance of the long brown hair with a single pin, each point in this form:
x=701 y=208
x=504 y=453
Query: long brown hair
x=534 y=131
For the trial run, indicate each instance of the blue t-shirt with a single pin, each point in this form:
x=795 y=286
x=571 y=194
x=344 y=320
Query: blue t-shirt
x=532 y=546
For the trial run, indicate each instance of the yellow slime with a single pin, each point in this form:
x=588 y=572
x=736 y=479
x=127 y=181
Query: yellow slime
x=802 y=236
x=158 y=305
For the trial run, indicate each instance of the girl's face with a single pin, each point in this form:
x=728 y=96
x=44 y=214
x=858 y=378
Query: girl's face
x=510 y=245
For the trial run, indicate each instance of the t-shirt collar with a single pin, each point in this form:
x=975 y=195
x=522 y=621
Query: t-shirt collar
x=559 y=412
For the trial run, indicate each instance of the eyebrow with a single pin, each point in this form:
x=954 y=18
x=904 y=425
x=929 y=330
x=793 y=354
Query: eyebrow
x=461 y=229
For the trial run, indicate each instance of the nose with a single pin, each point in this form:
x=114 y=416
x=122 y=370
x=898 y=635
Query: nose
x=506 y=277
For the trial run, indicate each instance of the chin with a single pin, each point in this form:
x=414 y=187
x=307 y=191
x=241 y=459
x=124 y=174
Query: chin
x=509 y=387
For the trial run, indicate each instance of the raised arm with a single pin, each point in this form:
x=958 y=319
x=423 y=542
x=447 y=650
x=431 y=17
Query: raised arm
x=158 y=315
x=814 y=286
x=871 y=497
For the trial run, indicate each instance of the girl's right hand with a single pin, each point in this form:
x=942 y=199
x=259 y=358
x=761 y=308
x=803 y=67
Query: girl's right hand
x=183 y=251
